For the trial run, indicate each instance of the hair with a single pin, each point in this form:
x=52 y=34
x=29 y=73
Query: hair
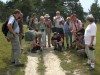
x=90 y=19
x=17 y=11
x=73 y=15
x=34 y=14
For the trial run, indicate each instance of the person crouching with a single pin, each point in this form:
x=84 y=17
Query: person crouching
x=57 y=41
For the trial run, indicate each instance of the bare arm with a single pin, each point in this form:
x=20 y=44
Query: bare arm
x=92 y=39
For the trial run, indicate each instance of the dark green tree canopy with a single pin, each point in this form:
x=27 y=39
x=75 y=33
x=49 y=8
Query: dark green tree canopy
x=42 y=7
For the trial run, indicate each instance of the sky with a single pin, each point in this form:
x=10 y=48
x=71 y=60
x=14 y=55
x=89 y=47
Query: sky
x=85 y=4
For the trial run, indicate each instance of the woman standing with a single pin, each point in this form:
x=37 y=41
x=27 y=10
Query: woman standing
x=90 y=40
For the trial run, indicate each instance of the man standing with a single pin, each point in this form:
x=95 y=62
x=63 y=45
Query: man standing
x=33 y=22
x=20 y=23
x=48 y=28
x=13 y=36
x=57 y=19
x=77 y=25
x=67 y=32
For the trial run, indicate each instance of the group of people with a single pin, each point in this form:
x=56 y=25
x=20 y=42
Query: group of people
x=76 y=37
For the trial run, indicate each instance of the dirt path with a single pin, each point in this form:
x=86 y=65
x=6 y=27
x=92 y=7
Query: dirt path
x=31 y=67
x=52 y=63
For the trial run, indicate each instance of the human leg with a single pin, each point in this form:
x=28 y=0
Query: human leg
x=16 y=49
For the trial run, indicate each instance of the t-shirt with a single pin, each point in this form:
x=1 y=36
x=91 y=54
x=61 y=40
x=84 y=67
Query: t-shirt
x=33 y=23
x=90 y=31
x=58 y=38
x=11 y=21
x=42 y=26
x=76 y=25
x=58 y=20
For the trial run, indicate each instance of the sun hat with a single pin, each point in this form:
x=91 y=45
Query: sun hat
x=46 y=15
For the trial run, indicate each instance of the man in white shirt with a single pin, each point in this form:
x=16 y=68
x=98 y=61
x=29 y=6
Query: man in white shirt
x=90 y=40
x=13 y=36
x=57 y=19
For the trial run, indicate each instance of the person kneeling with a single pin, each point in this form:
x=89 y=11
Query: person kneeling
x=36 y=45
x=57 y=41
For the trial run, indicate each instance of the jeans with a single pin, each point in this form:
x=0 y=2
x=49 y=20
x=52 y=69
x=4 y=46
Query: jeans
x=48 y=31
x=44 y=38
x=68 y=35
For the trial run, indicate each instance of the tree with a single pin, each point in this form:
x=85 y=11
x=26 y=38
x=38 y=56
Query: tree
x=41 y=7
x=74 y=7
x=2 y=11
x=95 y=10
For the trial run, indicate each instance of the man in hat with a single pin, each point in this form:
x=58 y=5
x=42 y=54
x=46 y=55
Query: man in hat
x=48 y=27
x=13 y=36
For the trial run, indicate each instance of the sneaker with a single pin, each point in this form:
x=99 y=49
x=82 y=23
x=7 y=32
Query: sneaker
x=13 y=62
x=89 y=61
x=92 y=66
x=19 y=65
x=49 y=46
x=55 y=48
x=33 y=52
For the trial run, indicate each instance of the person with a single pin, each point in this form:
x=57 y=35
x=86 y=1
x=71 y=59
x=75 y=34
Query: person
x=57 y=19
x=49 y=25
x=20 y=23
x=27 y=20
x=42 y=28
x=90 y=40
x=77 y=25
x=67 y=32
x=57 y=41
x=36 y=45
x=80 y=45
x=61 y=31
x=13 y=36
x=33 y=22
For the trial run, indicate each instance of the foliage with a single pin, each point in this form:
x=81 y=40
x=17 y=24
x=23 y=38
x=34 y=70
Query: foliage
x=41 y=7
x=95 y=10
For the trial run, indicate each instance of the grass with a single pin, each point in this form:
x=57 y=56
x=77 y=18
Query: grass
x=78 y=62
x=41 y=67
x=6 y=68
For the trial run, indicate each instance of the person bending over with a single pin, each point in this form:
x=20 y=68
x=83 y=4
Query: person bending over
x=57 y=41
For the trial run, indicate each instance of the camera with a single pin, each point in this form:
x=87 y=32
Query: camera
x=91 y=48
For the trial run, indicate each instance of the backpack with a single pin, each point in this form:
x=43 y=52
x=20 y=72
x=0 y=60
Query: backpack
x=5 y=28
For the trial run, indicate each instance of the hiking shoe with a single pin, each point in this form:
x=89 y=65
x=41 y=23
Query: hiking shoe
x=49 y=46
x=19 y=65
x=55 y=48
